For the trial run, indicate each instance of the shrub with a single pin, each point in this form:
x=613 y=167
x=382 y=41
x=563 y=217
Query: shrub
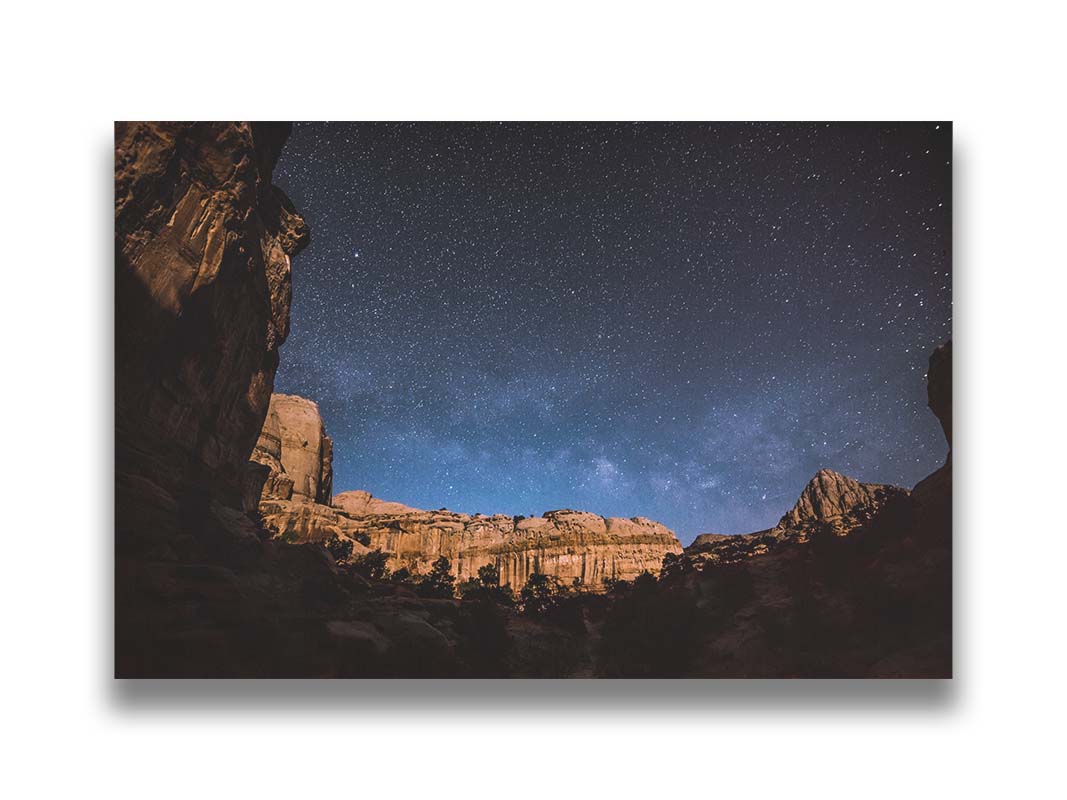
x=472 y=587
x=541 y=593
x=371 y=565
x=674 y=562
x=617 y=585
x=489 y=575
x=340 y=549
x=440 y=582
x=486 y=587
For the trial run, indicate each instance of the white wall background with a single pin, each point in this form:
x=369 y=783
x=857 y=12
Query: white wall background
x=997 y=71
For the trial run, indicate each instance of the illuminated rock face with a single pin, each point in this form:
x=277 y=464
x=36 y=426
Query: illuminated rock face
x=295 y=502
x=570 y=545
x=567 y=544
x=831 y=497
x=294 y=446
x=203 y=243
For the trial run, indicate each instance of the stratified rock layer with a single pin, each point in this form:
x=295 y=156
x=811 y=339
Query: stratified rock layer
x=202 y=248
x=831 y=497
x=361 y=504
x=294 y=459
x=567 y=544
x=706 y=539
x=294 y=447
x=830 y=500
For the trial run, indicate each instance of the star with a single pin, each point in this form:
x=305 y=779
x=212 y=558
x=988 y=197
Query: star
x=716 y=310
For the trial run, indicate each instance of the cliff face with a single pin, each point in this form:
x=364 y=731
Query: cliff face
x=295 y=504
x=202 y=248
x=831 y=497
x=933 y=494
x=939 y=388
x=567 y=544
x=298 y=454
x=708 y=539
x=361 y=504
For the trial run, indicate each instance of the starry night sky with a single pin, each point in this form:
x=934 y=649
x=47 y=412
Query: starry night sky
x=678 y=321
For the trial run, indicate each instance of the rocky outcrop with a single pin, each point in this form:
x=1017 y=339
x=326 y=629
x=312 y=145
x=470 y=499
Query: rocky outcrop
x=831 y=497
x=571 y=545
x=939 y=388
x=932 y=496
x=362 y=504
x=295 y=505
x=707 y=540
x=296 y=451
x=203 y=242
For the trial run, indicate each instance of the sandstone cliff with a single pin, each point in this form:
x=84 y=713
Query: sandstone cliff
x=298 y=454
x=829 y=499
x=568 y=544
x=833 y=498
x=361 y=504
x=706 y=539
x=202 y=248
x=939 y=388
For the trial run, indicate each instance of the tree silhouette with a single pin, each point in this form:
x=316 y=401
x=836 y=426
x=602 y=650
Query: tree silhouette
x=340 y=549
x=541 y=593
x=489 y=575
x=440 y=582
x=371 y=565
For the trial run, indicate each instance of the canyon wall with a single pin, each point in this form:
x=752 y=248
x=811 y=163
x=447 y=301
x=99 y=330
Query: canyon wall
x=833 y=498
x=932 y=495
x=296 y=451
x=572 y=545
x=203 y=243
x=829 y=499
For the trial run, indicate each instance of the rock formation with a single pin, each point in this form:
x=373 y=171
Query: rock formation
x=831 y=497
x=362 y=504
x=298 y=454
x=932 y=495
x=570 y=545
x=939 y=388
x=202 y=248
x=706 y=539
x=567 y=544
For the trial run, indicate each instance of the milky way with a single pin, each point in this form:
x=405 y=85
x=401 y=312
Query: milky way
x=677 y=321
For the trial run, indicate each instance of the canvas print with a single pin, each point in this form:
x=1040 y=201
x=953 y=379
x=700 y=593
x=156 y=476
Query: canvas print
x=533 y=400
